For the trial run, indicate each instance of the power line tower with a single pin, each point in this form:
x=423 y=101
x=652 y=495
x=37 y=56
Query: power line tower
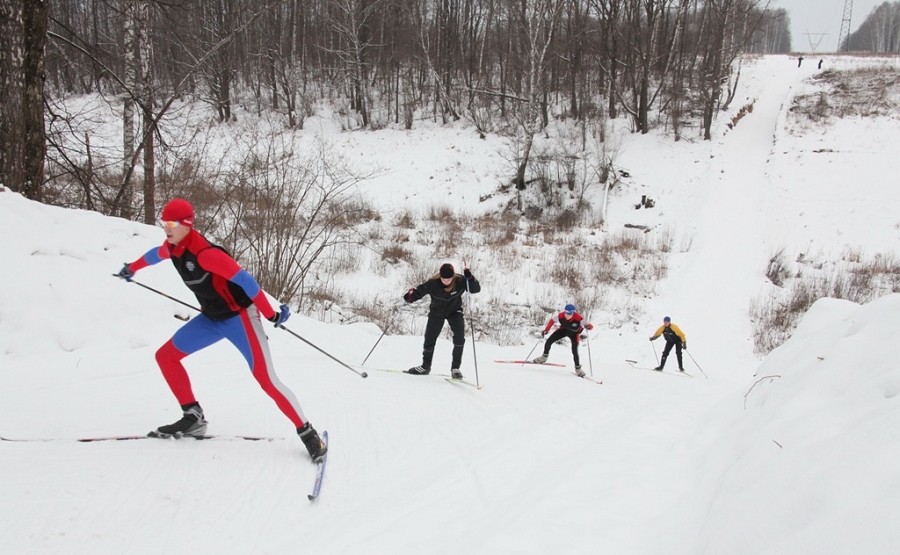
x=844 y=35
x=815 y=39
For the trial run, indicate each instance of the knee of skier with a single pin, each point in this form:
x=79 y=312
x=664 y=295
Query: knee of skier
x=168 y=353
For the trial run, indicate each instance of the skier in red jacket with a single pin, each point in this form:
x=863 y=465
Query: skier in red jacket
x=571 y=324
x=231 y=302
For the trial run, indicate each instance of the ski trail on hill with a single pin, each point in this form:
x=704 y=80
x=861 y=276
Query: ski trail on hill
x=710 y=286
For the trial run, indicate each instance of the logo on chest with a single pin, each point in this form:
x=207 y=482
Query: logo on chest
x=190 y=266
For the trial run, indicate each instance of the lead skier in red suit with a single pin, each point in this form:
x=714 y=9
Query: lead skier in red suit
x=231 y=302
x=571 y=324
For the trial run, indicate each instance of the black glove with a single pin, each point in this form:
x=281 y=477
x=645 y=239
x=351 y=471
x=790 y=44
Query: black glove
x=684 y=345
x=468 y=274
x=125 y=273
x=280 y=317
x=584 y=336
x=653 y=337
x=408 y=296
x=543 y=333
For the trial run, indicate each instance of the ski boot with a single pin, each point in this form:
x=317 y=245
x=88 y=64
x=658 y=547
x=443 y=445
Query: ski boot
x=456 y=374
x=313 y=442
x=192 y=424
x=541 y=359
x=418 y=371
x=579 y=372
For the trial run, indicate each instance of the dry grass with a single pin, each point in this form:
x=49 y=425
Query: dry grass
x=864 y=92
x=394 y=254
x=777 y=270
x=776 y=315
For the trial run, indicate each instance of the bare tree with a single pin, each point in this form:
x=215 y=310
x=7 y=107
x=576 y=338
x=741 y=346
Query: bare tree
x=351 y=21
x=145 y=55
x=286 y=213
x=650 y=32
x=880 y=31
x=129 y=32
x=23 y=26
x=34 y=147
x=441 y=80
x=729 y=25
x=11 y=170
x=534 y=22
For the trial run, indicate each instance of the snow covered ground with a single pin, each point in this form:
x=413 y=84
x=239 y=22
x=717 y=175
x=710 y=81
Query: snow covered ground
x=791 y=454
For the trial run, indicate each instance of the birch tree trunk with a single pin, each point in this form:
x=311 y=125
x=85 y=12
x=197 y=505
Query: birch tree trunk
x=142 y=22
x=126 y=206
x=34 y=148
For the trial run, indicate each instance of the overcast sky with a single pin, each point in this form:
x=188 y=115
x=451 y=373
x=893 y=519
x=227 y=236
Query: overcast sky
x=821 y=16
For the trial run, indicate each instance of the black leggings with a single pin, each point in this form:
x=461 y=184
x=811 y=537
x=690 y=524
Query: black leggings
x=433 y=330
x=559 y=334
x=668 y=349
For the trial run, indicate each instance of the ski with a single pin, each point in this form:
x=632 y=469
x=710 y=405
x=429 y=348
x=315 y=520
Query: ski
x=590 y=379
x=134 y=438
x=464 y=382
x=320 y=471
x=396 y=371
x=634 y=365
x=530 y=362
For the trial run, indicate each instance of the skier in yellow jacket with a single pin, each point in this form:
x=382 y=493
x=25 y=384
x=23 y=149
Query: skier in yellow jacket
x=674 y=337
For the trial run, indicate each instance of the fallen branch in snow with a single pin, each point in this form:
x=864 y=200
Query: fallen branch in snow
x=754 y=385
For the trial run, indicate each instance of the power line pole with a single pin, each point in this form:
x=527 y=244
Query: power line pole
x=845 y=27
x=818 y=40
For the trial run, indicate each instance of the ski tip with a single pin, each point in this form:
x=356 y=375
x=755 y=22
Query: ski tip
x=629 y=361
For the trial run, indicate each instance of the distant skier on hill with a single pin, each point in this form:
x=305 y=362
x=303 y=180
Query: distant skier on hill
x=674 y=338
x=231 y=302
x=571 y=324
x=446 y=289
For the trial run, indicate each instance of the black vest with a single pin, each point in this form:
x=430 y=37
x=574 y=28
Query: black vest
x=219 y=298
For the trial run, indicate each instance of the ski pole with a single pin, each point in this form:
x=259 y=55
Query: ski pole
x=698 y=366
x=531 y=351
x=347 y=366
x=472 y=325
x=363 y=374
x=171 y=298
x=587 y=339
x=654 y=353
x=393 y=314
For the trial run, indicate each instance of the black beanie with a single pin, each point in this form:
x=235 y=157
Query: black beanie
x=447 y=271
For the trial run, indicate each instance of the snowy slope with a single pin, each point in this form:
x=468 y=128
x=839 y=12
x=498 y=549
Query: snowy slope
x=538 y=461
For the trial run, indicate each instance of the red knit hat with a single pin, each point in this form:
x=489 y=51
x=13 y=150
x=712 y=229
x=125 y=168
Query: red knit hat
x=178 y=210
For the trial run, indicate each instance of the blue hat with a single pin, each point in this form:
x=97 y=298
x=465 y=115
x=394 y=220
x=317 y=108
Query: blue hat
x=667 y=319
x=570 y=308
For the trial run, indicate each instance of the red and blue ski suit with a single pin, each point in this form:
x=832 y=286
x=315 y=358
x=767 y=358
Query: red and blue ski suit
x=569 y=326
x=231 y=302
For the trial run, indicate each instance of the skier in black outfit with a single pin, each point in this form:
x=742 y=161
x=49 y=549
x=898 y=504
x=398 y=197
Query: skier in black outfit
x=446 y=289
